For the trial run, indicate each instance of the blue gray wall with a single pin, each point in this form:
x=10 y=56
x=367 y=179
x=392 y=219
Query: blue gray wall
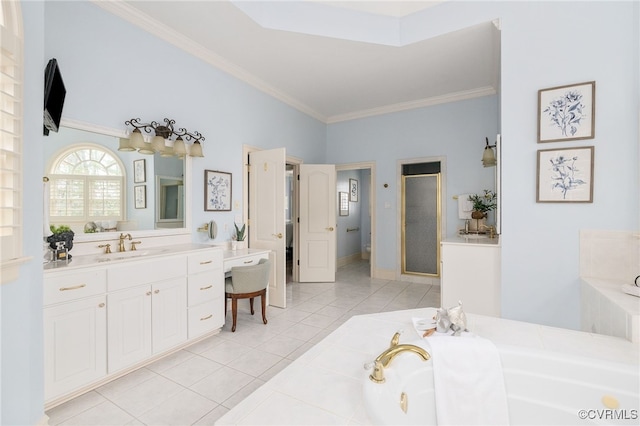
x=113 y=73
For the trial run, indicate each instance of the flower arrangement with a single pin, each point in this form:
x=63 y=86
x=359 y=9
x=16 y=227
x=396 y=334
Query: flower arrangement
x=61 y=234
x=485 y=202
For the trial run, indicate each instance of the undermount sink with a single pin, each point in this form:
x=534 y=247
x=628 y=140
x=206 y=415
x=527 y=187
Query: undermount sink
x=128 y=254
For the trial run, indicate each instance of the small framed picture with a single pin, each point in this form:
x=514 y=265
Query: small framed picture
x=353 y=190
x=139 y=171
x=343 y=203
x=140 y=194
x=567 y=113
x=217 y=191
x=565 y=175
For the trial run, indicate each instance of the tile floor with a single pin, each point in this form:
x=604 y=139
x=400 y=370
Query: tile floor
x=199 y=384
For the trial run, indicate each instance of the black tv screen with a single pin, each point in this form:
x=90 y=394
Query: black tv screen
x=54 y=93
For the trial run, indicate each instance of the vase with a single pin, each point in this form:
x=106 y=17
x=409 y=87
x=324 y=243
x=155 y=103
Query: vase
x=241 y=245
x=65 y=237
x=478 y=215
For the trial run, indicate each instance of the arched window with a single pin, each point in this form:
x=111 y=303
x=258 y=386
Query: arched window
x=86 y=184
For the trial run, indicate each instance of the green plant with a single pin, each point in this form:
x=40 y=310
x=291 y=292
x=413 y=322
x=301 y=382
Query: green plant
x=485 y=202
x=239 y=235
x=63 y=234
x=59 y=229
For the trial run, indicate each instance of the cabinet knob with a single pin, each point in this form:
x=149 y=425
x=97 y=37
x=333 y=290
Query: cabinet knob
x=329 y=228
x=156 y=291
x=101 y=305
x=278 y=235
x=148 y=293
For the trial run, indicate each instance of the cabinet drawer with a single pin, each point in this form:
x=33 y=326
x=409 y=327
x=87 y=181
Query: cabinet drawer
x=206 y=317
x=204 y=287
x=146 y=271
x=73 y=286
x=205 y=261
x=244 y=261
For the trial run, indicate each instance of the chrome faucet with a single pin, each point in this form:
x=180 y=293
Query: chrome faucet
x=384 y=359
x=121 y=243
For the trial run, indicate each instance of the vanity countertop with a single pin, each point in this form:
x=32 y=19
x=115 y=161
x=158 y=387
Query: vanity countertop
x=324 y=385
x=473 y=239
x=93 y=260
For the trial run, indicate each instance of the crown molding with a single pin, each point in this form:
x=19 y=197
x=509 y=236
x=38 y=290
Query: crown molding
x=128 y=13
x=420 y=103
x=134 y=16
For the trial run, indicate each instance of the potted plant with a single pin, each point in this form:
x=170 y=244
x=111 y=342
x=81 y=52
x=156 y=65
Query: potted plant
x=61 y=238
x=483 y=203
x=239 y=235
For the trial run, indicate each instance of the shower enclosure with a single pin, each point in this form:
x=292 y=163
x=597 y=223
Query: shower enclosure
x=421 y=217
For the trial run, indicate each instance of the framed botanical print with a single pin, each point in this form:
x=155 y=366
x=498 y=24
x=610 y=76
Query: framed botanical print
x=565 y=175
x=139 y=171
x=343 y=203
x=353 y=190
x=140 y=194
x=567 y=113
x=217 y=191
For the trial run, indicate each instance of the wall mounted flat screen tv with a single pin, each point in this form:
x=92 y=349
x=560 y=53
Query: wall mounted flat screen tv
x=54 y=94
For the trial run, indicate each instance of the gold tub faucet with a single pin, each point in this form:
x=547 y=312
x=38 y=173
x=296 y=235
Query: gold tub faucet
x=384 y=359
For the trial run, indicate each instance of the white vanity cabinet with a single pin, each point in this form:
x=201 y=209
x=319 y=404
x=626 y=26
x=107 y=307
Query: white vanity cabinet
x=75 y=330
x=150 y=314
x=205 y=293
x=102 y=320
x=471 y=273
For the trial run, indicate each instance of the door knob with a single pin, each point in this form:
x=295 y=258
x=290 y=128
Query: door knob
x=279 y=235
x=329 y=228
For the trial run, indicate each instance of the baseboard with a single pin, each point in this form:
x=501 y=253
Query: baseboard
x=384 y=274
x=44 y=421
x=348 y=259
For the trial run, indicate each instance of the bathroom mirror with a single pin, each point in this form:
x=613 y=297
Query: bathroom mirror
x=165 y=211
x=169 y=202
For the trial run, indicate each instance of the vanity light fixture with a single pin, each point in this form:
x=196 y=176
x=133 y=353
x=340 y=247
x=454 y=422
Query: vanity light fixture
x=163 y=134
x=488 y=156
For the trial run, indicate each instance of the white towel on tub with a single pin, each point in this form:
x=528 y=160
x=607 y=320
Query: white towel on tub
x=468 y=381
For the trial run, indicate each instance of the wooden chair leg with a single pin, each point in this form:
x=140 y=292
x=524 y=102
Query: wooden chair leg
x=234 y=312
x=263 y=301
x=251 y=305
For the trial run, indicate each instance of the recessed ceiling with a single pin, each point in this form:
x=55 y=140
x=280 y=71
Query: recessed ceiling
x=331 y=72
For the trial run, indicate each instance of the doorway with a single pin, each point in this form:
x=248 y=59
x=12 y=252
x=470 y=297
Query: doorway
x=356 y=215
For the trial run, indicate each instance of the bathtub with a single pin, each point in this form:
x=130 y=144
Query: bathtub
x=543 y=388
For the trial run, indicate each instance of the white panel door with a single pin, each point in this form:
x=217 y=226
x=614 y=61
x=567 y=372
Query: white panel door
x=75 y=345
x=169 y=313
x=266 y=214
x=317 y=223
x=128 y=327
